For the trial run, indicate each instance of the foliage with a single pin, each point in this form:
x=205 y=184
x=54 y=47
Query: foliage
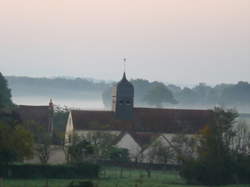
x=5 y=94
x=16 y=143
x=220 y=159
x=84 y=170
x=43 y=149
x=60 y=118
x=238 y=94
x=80 y=150
x=102 y=143
x=158 y=95
x=63 y=87
x=119 y=155
x=201 y=95
x=161 y=153
x=43 y=140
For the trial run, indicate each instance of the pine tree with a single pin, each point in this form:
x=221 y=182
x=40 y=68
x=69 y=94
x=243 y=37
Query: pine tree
x=5 y=94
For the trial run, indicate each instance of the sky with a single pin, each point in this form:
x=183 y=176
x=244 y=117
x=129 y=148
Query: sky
x=175 y=41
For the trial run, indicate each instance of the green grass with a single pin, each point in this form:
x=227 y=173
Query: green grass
x=111 y=178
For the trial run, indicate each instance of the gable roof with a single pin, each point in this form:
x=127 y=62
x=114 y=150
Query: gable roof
x=145 y=120
x=144 y=139
x=37 y=114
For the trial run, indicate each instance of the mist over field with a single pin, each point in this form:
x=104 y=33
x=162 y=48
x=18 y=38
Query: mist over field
x=96 y=95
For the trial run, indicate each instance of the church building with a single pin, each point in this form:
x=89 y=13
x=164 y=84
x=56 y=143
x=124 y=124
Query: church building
x=136 y=128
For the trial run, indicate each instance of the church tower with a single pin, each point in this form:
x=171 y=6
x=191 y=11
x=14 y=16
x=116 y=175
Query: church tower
x=123 y=99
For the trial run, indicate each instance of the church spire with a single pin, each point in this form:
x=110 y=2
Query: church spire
x=124 y=78
x=123 y=98
x=124 y=65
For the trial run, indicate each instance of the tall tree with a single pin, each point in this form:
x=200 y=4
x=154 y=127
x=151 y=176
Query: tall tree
x=159 y=95
x=5 y=94
x=16 y=143
x=222 y=152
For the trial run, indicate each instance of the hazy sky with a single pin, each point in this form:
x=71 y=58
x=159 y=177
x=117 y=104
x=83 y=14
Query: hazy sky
x=178 y=41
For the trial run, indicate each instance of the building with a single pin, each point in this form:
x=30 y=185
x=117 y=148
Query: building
x=42 y=116
x=135 y=128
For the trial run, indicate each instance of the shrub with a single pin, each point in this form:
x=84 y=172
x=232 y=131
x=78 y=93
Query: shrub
x=27 y=171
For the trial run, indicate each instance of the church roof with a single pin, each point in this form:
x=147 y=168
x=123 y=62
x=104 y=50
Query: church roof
x=124 y=82
x=144 y=139
x=145 y=120
x=37 y=114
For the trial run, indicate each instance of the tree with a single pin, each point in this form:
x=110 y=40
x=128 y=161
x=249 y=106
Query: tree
x=102 y=143
x=222 y=157
x=80 y=150
x=187 y=96
x=16 y=144
x=106 y=97
x=43 y=140
x=44 y=148
x=164 y=154
x=236 y=95
x=119 y=156
x=5 y=94
x=158 y=95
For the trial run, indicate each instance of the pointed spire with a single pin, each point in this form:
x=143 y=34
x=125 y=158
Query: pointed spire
x=124 y=60
x=124 y=76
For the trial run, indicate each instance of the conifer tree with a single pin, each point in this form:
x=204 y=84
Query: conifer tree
x=5 y=93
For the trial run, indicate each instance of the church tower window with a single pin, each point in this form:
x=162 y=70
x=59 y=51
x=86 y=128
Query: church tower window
x=123 y=100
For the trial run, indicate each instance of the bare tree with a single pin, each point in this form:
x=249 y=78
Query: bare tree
x=44 y=148
x=240 y=139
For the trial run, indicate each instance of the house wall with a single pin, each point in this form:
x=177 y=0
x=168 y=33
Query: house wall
x=57 y=156
x=85 y=133
x=165 y=140
x=127 y=142
x=69 y=129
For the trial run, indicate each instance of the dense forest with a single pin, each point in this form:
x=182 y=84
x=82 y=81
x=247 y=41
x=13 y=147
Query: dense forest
x=153 y=94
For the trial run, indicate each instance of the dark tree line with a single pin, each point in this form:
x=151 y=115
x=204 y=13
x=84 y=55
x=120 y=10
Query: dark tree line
x=201 y=96
x=146 y=93
x=60 y=87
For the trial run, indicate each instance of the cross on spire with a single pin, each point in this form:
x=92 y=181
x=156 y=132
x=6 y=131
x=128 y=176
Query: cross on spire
x=124 y=64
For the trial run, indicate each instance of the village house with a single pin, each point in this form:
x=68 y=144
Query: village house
x=41 y=116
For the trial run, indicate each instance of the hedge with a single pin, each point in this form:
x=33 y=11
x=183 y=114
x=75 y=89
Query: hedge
x=28 y=171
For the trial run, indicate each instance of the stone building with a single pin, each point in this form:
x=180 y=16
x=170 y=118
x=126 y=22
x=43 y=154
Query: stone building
x=136 y=128
x=42 y=116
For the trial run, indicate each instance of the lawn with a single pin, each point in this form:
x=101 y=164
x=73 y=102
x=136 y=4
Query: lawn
x=111 y=178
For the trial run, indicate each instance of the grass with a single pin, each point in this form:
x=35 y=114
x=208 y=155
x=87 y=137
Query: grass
x=110 y=177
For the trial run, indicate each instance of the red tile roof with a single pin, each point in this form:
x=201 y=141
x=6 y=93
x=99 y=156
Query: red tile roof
x=37 y=114
x=145 y=120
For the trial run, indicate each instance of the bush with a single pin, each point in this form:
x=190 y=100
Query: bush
x=81 y=184
x=222 y=153
x=28 y=171
x=213 y=173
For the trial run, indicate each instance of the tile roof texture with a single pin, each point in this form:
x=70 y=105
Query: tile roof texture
x=145 y=120
x=37 y=114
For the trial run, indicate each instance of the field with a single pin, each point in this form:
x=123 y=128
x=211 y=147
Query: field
x=111 y=178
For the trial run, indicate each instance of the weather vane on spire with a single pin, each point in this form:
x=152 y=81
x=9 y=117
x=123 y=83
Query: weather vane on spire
x=124 y=64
